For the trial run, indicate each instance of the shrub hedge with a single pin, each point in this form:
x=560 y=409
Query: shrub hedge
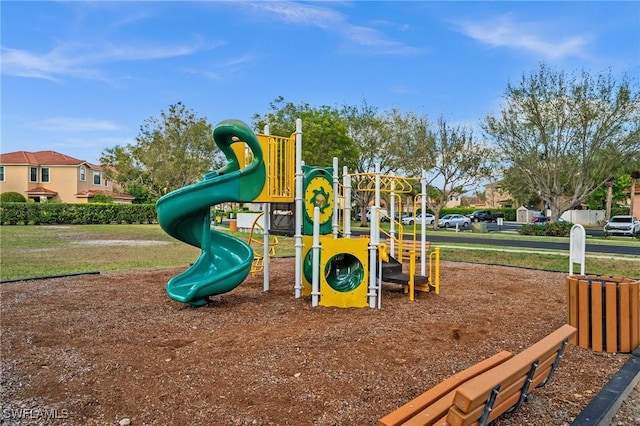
x=12 y=197
x=75 y=214
x=551 y=229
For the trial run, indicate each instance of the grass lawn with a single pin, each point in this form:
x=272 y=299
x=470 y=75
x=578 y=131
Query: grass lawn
x=35 y=251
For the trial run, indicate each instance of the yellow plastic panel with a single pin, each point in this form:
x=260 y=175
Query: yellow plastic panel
x=344 y=282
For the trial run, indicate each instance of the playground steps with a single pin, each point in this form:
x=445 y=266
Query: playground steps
x=392 y=273
x=415 y=246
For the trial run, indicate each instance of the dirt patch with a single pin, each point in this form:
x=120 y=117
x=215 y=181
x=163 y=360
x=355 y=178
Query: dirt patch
x=97 y=349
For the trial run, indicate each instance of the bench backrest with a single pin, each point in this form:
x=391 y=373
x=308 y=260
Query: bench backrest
x=486 y=396
x=430 y=406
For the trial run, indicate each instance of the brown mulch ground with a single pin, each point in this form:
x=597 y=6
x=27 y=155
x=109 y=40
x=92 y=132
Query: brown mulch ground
x=103 y=348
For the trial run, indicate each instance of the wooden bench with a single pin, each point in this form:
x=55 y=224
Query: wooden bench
x=431 y=406
x=486 y=396
x=483 y=392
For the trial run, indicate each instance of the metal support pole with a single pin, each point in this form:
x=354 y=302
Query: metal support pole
x=299 y=206
x=423 y=235
x=266 y=260
x=373 y=261
x=315 y=281
x=266 y=208
x=346 y=182
x=392 y=224
x=374 y=241
x=334 y=221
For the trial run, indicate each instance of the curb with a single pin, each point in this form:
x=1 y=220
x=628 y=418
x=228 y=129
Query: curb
x=607 y=402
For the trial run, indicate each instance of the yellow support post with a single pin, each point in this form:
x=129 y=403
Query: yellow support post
x=412 y=274
x=434 y=276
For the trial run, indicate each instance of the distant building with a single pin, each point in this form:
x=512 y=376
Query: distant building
x=636 y=200
x=474 y=202
x=48 y=175
x=455 y=200
x=496 y=197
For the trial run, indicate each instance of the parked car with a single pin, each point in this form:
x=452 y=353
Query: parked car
x=539 y=217
x=382 y=214
x=400 y=216
x=622 y=225
x=485 y=216
x=409 y=220
x=451 y=220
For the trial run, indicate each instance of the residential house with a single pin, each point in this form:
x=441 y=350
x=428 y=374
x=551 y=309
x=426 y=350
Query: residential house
x=49 y=175
x=635 y=205
x=496 y=197
x=474 y=201
x=455 y=200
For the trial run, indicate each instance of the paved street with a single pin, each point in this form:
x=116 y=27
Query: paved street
x=488 y=238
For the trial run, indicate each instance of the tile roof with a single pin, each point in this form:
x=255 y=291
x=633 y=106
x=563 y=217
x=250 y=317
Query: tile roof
x=636 y=190
x=41 y=190
x=90 y=193
x=49 y=158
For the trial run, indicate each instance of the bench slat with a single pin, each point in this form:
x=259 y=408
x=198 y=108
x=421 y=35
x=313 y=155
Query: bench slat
x=433 y=413
x=408 y=410
x=506 y=399
x=475 y=392
x=505 y=405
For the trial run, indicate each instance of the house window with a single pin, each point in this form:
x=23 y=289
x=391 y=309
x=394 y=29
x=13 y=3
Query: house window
x=44 y=174
x=83 y=173
x=33 y=174
x=1 y=173
x=106 y=182
x=96 y=178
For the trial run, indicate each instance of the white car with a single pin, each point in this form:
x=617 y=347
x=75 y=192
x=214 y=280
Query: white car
x=622 y=225
x=451 y=220
x=382 y=215
x=409 y=220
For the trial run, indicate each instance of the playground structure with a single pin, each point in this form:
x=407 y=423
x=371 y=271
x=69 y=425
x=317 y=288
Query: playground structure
x=306 y=202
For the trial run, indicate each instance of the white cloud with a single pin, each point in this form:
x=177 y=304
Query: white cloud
x=504 y=31
x=333 y=22
x=297 y=13
x=401 y=89
x=76 y=125
x=84 y=61
x=230 y=65
x=369 y=37
x=210 y=75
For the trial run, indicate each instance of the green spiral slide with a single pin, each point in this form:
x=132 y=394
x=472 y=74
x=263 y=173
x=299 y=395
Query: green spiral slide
x=225 y=261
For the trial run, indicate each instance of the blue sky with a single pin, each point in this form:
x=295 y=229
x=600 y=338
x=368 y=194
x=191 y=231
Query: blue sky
x=80 y=77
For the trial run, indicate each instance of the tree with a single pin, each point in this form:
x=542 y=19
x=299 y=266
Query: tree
x=170 y=152
x=410 y=142
x=325 y=133
x=514 y=183
x=566 y=134
x=101 y=198
x=370 y=133
x=602 y=199
x=392 y=140
x=460 y=162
